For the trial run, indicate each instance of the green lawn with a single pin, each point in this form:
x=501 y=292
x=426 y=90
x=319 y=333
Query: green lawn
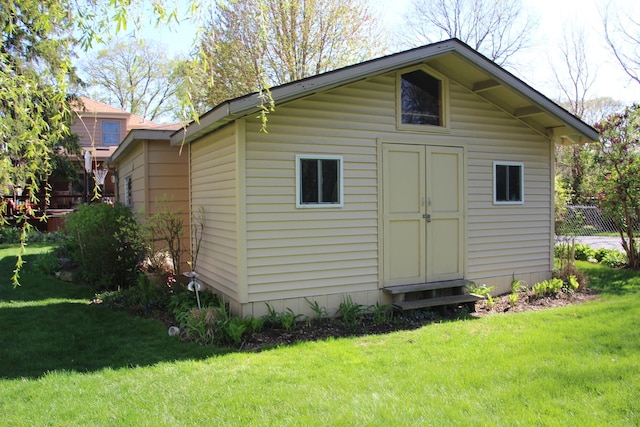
x=64 y=362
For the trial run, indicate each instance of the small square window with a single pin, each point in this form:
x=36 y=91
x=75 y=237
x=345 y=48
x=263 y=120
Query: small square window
x=110 y=133
x=319 y=181
x=508 y=182
x=421 y=99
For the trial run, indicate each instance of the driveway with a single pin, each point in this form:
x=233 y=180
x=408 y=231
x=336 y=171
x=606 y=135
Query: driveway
x=597 y=242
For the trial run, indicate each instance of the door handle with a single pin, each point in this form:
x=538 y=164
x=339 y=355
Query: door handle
x=427 y=217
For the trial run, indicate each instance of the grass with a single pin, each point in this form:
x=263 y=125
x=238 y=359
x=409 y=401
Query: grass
x=65 y=362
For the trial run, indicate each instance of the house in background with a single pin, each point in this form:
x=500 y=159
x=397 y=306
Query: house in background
x=100 y=129
x=152 y=175
x=398 y=179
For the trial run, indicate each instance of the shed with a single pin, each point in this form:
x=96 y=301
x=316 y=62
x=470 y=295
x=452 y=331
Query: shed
x=421 y=168
x=152 y=175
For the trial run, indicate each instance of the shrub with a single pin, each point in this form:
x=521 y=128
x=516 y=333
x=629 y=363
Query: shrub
x=614 y=259
x=214 y=325
x=180 y=303
x=569 y=271
x=106 y=243
x=9 y=234
x=583 y=252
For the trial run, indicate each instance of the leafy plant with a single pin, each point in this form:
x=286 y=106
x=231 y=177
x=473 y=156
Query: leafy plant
x=569 y=271
x=583 y=252
x=48 y=263
x=254 y=324
x=288 y=318
x=272 y=318
x=233 y=329
x=381 y=313
x=614 y=259
x=350 y=313
x=320 y=312
x=548 y=287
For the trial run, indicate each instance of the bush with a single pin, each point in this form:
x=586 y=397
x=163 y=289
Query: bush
x=106 y=243
x=9 y=234
x=583 y=252
x=569 y=271
x=614 y=259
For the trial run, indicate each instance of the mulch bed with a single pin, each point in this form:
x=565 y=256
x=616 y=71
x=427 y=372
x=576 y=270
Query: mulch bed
x=320 y=329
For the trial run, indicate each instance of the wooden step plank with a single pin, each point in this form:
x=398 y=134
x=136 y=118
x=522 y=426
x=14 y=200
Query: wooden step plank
x=429 y=286
x=435 y=302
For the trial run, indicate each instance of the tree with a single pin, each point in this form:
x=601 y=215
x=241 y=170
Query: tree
x=496 y=28
x=301 y=38
x=622 y=33
x=35 y=70
x=619 y=177
x=136 y=76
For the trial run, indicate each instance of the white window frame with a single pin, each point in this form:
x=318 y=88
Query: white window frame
x=111 y=122
x=444 y=102
x=495 y=182
x=128 y=190
x=340 y=160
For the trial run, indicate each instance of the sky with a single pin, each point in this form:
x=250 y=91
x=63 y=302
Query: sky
x=534 y=66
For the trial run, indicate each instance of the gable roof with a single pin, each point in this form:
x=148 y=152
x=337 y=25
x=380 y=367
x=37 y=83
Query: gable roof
x=453 y=58
x=156 y=132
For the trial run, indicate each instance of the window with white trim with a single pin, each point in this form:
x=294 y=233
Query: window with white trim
x=422 y=100
x=110 y=133
x=319 y=181
x=508 y=182
x=128 y=191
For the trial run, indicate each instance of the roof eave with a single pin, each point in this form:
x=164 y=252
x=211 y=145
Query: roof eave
x=136 y=135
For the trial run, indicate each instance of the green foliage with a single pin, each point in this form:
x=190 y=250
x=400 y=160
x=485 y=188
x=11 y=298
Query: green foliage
x=106 y=243
x=614 y=259
x=513 y=298
x=619 y=177
x=482 y=290
x=548 y=287
x=286 y=319
x=214 y=325
x=571 y=276
x=350 y=313
x=319 y=312
x=181 y=302
x=381 y=313
x=48 y=263
x=583 y=252
x=9 y=234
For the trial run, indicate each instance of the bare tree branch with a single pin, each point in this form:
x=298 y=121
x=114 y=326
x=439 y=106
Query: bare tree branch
x=496 y=28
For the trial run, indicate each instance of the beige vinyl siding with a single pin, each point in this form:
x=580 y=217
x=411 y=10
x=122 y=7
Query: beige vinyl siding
x=259 y=247
x=503 y=240
x=303 y=252
x=311 y=252
x=168 y=188
x=168 y=175
x=133 y=165
x=214 y=188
